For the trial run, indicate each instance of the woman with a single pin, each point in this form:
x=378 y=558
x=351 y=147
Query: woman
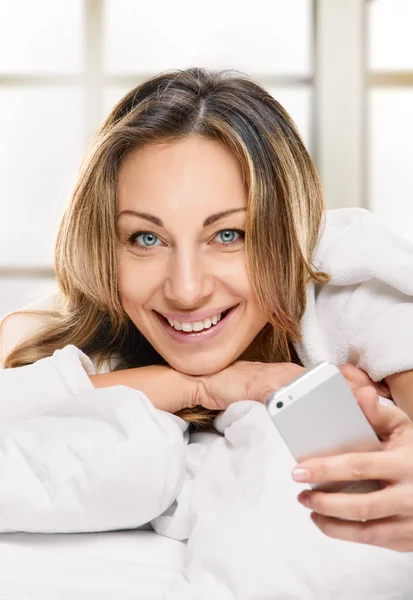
x=185 y=264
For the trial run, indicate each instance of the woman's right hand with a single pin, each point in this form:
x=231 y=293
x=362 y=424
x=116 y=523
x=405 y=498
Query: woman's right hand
x=246 y=380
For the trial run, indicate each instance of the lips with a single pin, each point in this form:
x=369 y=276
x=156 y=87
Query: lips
x=201 y=315
x=197 y=336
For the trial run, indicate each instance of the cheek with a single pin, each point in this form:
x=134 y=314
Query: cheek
x=134 y=287
x=246 y=290
x=234 y=275
x=122 y=279
x=242 y=282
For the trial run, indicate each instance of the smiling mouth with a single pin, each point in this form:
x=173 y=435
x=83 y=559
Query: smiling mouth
x=209 y=326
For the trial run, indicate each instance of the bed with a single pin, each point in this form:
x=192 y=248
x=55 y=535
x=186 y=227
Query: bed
x=117 y=565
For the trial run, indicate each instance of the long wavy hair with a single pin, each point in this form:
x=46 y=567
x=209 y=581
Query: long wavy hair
x=284 y=217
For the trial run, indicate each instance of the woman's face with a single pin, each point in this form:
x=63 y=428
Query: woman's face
x=182 y=270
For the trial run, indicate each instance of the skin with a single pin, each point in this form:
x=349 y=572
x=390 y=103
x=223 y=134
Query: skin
x=401 y=388
x=190 y=268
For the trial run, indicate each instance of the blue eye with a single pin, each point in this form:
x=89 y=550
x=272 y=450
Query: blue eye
x=147 y=239
x=229 y=236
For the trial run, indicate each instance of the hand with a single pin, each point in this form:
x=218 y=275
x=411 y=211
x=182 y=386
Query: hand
x=382 y=518
x=246 y=380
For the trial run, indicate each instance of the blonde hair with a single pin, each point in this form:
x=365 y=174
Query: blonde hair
x=284 y=216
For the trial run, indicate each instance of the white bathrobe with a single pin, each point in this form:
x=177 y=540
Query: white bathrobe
x=74 y=458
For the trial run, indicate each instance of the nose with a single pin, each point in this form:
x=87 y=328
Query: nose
x=189 y=283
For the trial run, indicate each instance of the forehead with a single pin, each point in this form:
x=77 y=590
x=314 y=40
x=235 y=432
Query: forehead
x=186 y=174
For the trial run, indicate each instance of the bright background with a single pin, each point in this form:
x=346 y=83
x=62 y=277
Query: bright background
x=342 y=68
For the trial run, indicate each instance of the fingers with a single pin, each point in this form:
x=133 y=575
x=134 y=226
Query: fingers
x=360 y=507
x=355 y=467
x=357 y=378
x=396 y=534
x=385 y=420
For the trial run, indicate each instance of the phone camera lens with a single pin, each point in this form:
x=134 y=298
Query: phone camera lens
x=279 y=405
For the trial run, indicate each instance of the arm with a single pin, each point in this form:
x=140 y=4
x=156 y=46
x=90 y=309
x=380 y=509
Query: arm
x=166 y=388
x=401 y=388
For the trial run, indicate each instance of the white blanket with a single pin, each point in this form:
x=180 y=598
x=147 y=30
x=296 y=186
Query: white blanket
x=121 y=565
x=249 y=538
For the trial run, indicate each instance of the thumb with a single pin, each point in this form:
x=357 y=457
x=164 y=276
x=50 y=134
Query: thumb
x=385 y=420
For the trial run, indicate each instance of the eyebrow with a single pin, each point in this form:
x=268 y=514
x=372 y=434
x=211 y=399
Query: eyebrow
x=208 y=221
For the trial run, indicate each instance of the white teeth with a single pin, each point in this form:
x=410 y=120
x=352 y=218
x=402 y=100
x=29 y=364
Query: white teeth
x=198 y=326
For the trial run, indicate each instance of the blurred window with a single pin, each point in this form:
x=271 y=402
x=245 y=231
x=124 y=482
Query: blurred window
x=390 y=26
x=40 y=147
x=390 y=113
x=391 y=158
x=259 y=37
x=41 y=36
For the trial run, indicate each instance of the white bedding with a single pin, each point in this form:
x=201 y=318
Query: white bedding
x=249 y=539
x=118 y=565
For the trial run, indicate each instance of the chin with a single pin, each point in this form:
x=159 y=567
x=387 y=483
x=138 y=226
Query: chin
x=200 y=366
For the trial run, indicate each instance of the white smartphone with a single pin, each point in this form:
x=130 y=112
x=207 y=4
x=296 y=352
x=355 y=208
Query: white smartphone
x=317 y=415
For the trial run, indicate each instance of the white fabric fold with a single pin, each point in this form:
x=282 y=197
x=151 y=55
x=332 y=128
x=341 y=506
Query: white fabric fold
x=364 y=316
x=74 y=458
x=29 y=391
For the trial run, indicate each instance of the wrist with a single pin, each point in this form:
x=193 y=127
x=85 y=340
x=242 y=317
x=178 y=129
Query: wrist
x=192 y=389
x=198 y=393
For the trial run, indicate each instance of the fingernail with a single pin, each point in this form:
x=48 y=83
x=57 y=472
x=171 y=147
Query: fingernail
x=301 y=474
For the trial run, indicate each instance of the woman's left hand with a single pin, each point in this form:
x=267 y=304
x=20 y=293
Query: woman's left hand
x=381 y=518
